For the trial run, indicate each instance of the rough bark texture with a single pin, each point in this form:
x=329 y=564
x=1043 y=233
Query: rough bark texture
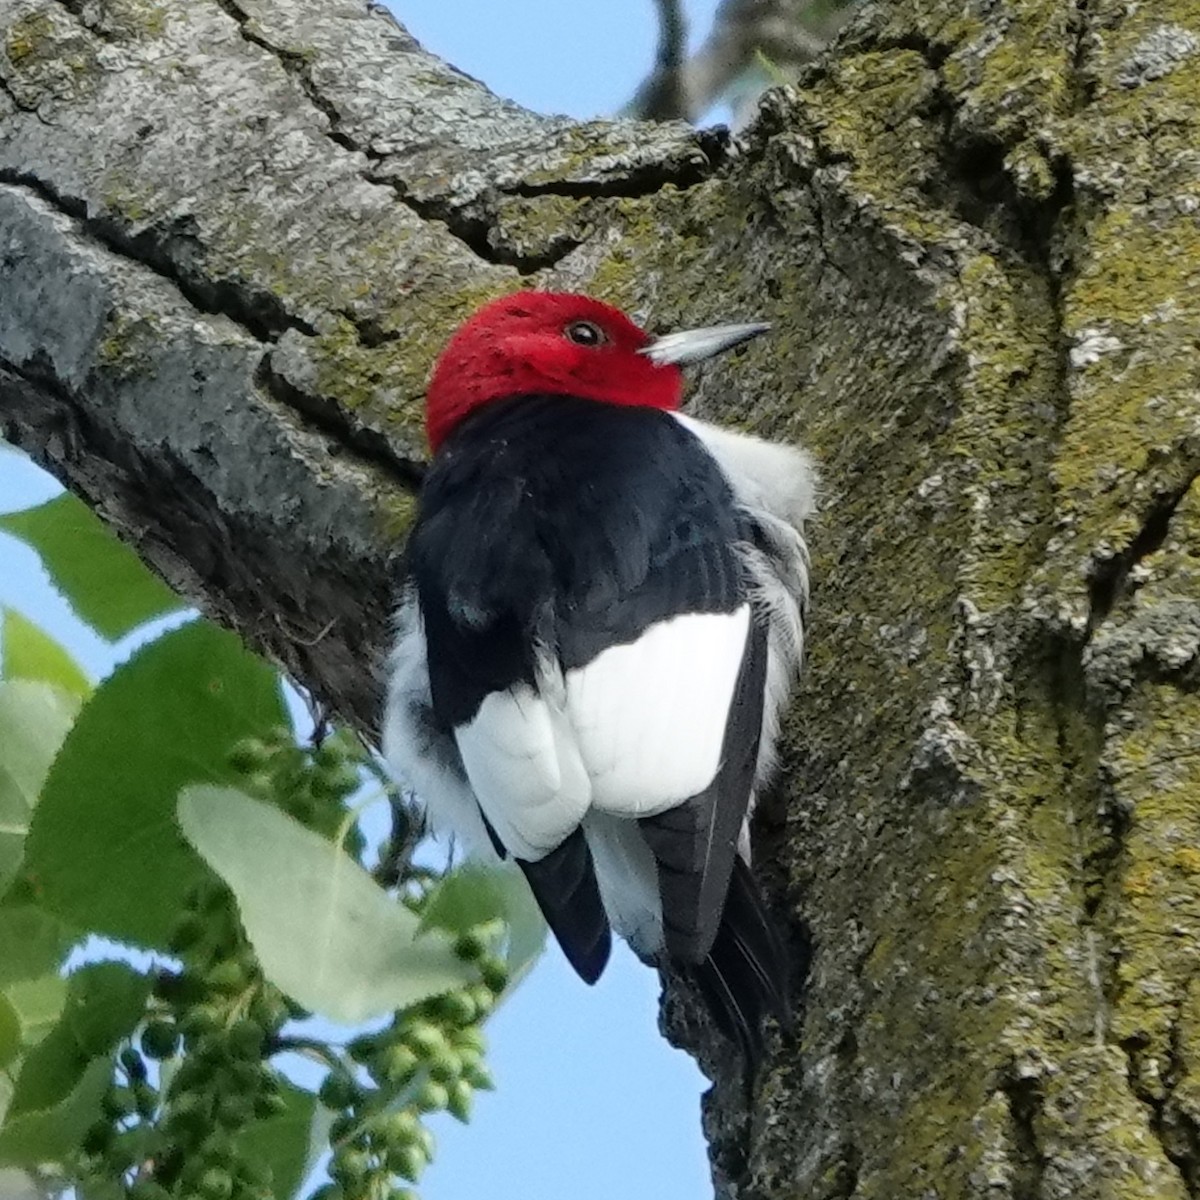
x=232 y=236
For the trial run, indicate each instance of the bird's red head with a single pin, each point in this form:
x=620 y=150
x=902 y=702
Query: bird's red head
x=548 y=343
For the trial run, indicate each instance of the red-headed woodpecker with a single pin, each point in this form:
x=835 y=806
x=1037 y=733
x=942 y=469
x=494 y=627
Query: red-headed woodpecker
x=602 y=619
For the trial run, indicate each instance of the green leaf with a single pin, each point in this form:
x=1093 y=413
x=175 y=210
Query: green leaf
x=106 y=583
x=17 y=1185
x=281 y=1143
x=105 y=1002
x=31 y=653
x=168 y=717
x=39 y=1004
x=32 y=943
x=473 y=894
x=34 y=720
x=10 y=1033
x=323 y=930
x=51 y=1135
x=98 y=1189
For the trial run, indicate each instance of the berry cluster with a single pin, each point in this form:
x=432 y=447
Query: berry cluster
x=171 y=1131
x=429 y=1059
x=309 y=783
x=201 y=1073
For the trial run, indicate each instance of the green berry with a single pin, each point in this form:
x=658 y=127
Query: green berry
x=118 y=1103
x=425 y=1140
x=189 y=1110
x=470 y=946
x=342 y=1127
x=234 y=1111
x=398 y=1127
x=132 y=1063
x=339 y=1091
x=212 y=1048
x=271 y=1104
x=399 y=1064
x=216 y=1184
x=303 y=809
x=350 y=1166
x=247 y=1074
x=188 y=933
x=469 y=1038
x=259 y=783
x=97 y=1138
x=461 y=1098
x=479 y=1077
x=246 y=1039
x=425 y=1039
x=407 y=1161
x=145 y=1099
x=332 y=752
x=495 y=974
x=363 y=1048
x=227 y=975
x=200 y=1021
x=334 y=783
x=255 y=1178
x=159 y=1039
x=431 y=1096
x=457 y=1008
x=268 y=1009
x=331 y=1191
x=445 y=1066
x=483 y=998
x=250 y=754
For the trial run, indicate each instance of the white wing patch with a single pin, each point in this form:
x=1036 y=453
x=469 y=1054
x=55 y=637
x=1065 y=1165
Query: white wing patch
x=522 y=759
x=635 y=731
x=649 y=716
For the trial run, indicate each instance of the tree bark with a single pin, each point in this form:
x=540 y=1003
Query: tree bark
x=232 y=238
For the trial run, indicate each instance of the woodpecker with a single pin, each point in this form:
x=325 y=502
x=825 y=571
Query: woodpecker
x=601 y=620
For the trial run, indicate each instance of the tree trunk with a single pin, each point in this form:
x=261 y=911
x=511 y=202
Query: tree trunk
x=232 y=236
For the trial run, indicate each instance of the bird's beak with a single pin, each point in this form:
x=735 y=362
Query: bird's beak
x=695 y=345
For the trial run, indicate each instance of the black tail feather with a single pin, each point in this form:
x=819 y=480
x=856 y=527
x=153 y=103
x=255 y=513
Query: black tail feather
x=564 y=885
x=745 y=977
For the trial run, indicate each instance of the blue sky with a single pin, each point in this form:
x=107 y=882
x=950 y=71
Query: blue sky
x=591 y=1103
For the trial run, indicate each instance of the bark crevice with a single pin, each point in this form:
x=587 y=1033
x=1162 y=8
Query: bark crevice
x=1111 y=575
x=1024 y=1099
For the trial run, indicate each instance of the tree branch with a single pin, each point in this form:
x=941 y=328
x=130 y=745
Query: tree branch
x=775 y=36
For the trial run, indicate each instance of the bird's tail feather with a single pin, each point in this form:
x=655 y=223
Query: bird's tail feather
x=745 y=976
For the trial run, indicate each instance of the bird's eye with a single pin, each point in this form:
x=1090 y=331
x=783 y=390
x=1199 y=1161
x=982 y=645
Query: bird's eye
x=584 y=333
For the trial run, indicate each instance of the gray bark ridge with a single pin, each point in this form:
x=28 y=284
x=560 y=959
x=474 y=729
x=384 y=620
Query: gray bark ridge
x=225 y=274
x=237 y=237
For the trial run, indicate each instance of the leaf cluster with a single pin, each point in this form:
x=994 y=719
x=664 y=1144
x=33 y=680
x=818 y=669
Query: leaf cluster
x=172 y=811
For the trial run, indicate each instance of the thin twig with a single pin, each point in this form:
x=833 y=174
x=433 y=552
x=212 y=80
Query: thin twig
x=663 y=96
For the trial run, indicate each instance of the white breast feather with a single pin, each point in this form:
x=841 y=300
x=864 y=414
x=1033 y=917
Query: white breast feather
x=767 y=476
